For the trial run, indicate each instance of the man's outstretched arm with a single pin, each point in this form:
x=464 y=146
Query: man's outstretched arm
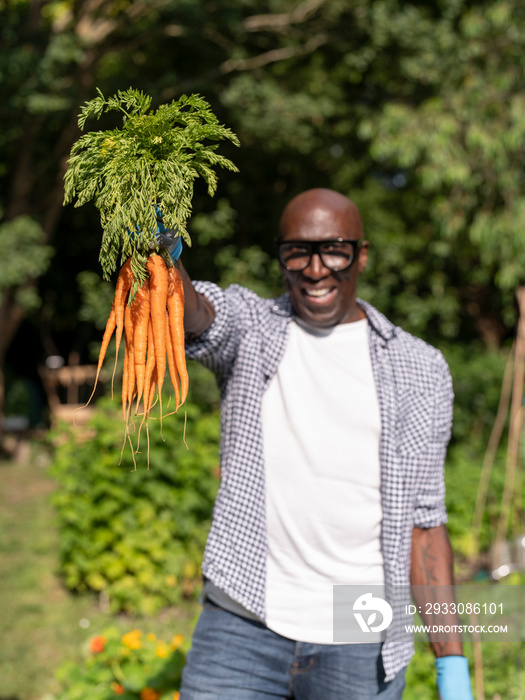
x=198 y=310
x=432 y=579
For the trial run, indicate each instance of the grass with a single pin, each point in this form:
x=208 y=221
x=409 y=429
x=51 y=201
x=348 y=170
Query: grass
x=42 y=624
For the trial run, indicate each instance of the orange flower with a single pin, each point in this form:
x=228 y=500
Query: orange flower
x=118 y=689
x=97 y=644
x=132 y=639
x=149 y=694
x=161 y=650
x=176 y=695
x=177 y=641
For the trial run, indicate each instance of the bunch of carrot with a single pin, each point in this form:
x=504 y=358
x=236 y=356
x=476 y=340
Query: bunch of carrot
x=152 y=325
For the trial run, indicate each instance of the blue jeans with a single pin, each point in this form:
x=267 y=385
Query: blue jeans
x=233 y=658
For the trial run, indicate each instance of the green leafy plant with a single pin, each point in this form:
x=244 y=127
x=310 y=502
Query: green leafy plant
x=24 y=256
x=150 y=162
x=134 y=666
x=136 y=538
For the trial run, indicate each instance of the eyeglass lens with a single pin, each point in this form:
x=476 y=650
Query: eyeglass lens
x=335 y=255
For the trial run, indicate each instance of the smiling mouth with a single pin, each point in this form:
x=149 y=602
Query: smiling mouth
x=320 y=295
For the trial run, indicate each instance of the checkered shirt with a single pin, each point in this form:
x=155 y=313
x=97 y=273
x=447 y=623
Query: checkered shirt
x=243 y=347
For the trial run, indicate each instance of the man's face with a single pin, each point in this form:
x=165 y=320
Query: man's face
x=319 y=296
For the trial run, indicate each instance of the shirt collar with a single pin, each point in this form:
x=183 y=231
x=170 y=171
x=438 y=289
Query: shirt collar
x=377 y=321
x=282 y=306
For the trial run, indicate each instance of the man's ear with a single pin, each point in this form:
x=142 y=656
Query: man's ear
x=363 y=256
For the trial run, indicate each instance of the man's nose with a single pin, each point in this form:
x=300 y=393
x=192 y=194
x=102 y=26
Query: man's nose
x=316 y=269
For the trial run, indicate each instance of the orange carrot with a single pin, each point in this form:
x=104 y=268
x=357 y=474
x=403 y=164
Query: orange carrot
x=128 y=381
x=115 y=320
x=150 y=381
x=172 y=366
x=159 y=292
x=176 y=327
x=153 y=332
x=149 y=378
x=124 y=282
x=150 y=401
x=108 y=332
x=130 y=384
x=140 y=319
x=125 y=373
x=153 y=384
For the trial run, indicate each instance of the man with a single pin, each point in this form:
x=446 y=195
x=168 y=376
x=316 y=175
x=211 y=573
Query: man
x=334 y=431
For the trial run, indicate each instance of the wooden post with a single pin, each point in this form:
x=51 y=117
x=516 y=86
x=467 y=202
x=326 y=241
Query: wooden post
x=490 y=453
x=516 y=423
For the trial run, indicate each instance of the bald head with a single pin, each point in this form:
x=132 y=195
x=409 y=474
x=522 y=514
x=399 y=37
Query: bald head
x=318 y=212
x=320 y=295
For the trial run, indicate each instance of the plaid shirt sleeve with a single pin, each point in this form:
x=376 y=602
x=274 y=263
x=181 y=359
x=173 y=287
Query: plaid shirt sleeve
x=429 y=507
x=217 y=347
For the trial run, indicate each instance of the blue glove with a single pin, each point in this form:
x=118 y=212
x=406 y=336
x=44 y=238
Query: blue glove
x=166 y=238
x=453 y=678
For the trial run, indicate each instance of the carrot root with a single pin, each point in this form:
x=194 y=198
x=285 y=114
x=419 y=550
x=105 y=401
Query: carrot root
x=176 y=328
x=153 y=331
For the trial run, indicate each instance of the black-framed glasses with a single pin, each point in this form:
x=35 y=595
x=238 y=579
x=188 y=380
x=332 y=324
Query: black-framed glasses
x=336 y=254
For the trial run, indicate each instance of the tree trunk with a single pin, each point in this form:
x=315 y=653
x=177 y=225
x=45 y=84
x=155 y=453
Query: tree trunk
x=11 y=316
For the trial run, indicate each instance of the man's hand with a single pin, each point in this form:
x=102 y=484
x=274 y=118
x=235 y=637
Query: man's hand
x=167 y=238
x=198 y=311
x=172 y=242
x=453 y=678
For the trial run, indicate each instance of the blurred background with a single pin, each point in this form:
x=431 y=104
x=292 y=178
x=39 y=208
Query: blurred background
x=416 y=111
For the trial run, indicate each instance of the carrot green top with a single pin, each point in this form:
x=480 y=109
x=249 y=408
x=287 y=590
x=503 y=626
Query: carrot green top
x=151 y=161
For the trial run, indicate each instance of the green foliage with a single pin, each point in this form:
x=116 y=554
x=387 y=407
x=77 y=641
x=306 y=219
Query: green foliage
x=97 y=297
x=406 y=275
x=462 y=476
x=23 y=257
x=134 y=666
x=412 y=109
x=152 y=160
x=477 y=375
x=38 y=604
x=459 y=138
x=503 y=671
x=216 y=227
x=18 y=398
x=250 y=267
x=421 y=675
x=137 y=537
x=275 y=116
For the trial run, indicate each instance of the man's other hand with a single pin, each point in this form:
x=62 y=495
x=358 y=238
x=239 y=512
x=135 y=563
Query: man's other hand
x=453 y=678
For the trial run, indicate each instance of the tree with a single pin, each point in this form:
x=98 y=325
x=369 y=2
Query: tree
x=386 y=101
x=462 y=146
x=52 y=54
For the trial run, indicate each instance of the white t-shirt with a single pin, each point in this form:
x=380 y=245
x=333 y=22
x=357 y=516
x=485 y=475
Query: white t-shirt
x=321 y=428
